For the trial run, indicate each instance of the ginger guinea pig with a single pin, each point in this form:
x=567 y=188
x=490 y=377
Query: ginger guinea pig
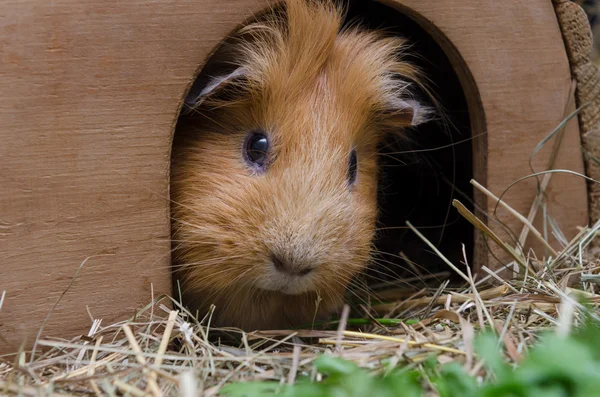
x=275 y=170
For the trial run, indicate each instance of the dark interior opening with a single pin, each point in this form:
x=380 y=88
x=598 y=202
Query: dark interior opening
x=421 y=176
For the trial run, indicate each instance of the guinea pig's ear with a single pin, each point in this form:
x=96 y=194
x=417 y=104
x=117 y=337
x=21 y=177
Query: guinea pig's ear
x=222 y=70
x=208 y=84
x=406 y=113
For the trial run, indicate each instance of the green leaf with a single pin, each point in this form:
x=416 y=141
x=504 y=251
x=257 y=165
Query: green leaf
x=334 y=366
x=251 y=389
x=486 y=346
x=455 y=382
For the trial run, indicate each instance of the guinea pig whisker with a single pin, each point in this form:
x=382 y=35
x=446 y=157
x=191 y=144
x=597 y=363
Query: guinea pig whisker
x=419 y=227
x=381 y=273
x=253 y=291
x=179 y=246
x=360 y=298
x=440 y=147
x=212 y=275
x=404 y=258
x=193 y=241
x=395 y=275
x=425 y=270
x=187 y=207
x=207 y=262
x=390 y=272
x=399 y=280
x=242 y=287
x=388 y=166
x=402 y=163
x=325 y=290
x=329 y=294
x=200 y=112
x=360 y=286
x=187 y=223
x=202 y=281
x=202 y=266
x=215 y=293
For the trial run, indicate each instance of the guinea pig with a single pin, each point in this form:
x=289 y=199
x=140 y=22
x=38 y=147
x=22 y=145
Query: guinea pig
x=274 y=172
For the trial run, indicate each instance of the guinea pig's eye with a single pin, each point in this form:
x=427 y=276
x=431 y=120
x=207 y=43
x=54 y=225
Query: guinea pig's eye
x=256 y=148
x=352 y=167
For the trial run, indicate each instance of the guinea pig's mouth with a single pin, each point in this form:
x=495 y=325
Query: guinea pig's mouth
x=287 y=284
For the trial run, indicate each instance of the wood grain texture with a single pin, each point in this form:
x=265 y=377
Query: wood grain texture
x=89 y=94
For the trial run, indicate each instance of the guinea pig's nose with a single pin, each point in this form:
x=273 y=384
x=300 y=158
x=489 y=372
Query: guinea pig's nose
x=288 y=267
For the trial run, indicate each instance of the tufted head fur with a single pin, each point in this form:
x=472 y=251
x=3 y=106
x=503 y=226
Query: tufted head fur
x=318 y=92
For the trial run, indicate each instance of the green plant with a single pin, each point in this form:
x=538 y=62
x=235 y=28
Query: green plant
x=342 y=379
x=554 y=367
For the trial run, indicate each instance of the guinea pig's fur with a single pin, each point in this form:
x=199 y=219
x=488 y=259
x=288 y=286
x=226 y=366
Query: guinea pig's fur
x=318 y=91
